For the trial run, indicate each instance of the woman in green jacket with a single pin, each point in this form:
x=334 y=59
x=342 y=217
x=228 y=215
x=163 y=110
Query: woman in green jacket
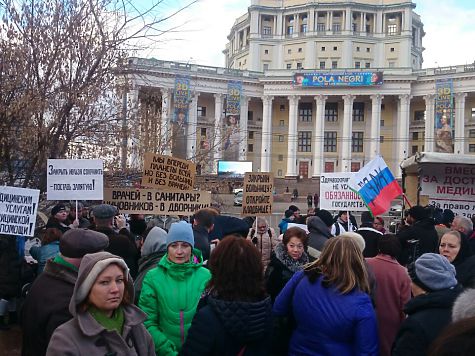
x=171 y=291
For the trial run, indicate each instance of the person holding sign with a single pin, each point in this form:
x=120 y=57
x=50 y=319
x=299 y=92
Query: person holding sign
x=263 y=237
x=58 y=219
x=171 y=291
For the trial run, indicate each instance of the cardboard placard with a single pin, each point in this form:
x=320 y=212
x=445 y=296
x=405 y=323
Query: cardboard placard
x=151 y=201
x=18 y=208
x=335 y=194
x=75 y=179
x=258 y=195
x=168 y=173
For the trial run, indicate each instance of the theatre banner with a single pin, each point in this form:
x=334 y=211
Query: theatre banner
x=233 y=112
x=338 y=79
x=181 y=98
x=444 y=116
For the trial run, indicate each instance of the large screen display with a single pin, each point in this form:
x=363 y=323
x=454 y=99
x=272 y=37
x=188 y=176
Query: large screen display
x=233 y=169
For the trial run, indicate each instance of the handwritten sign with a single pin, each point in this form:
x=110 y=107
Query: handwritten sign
x=18 y=207
x=168 y=173
x=151 y=201
x=257 y=194
x=335 y=193
x=75 y=179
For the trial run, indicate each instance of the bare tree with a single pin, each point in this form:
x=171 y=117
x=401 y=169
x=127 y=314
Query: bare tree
x=58 y=91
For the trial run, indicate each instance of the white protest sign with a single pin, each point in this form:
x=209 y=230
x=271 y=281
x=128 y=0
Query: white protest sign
x=335 y=194
x=18 y=207
x=300 y=226
x=75 y=179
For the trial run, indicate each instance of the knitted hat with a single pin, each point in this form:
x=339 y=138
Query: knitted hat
x=432 y=272
x=181 y=231
x=75 y=243
x=366 y=217
x=58 y=208
x=448 y=216
x=325 y=216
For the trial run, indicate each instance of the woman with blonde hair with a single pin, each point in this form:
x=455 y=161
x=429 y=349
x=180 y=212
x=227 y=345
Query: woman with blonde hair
x=330 y=303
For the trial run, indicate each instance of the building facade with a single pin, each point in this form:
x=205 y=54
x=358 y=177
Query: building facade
x=303 y=131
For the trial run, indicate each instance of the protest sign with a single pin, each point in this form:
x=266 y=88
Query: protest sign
x=335 y=194
x=151 y=201
x=18 y=207
x=304 y=227
x=168 y=173
x=75 y=179
x=257 y=194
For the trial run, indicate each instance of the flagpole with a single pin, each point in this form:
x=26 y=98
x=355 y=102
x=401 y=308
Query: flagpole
x=407 y=200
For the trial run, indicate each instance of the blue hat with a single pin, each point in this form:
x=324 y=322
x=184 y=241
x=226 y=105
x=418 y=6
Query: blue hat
x=433 y=272
x=181 y=231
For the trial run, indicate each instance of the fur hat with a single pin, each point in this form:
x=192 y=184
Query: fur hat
x=464 y=307
x=432 y=272
x=75 y=243
x=181 y=231
x=418 y=212
x=325 y=216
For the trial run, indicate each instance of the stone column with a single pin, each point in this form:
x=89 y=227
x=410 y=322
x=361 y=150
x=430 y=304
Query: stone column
x=218 y=120
x=243 y=128
x=135 y=157
x=165 y=146
x=429 y=123
x=345 y=159
x=459 y=137
x=375 y=142
x=191 y=129
x=363 y=23
x=319 y=136
x=266 y=145
x=403 y=122
x=292 y=137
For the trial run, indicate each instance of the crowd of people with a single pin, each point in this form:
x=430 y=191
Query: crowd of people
x=214 y=284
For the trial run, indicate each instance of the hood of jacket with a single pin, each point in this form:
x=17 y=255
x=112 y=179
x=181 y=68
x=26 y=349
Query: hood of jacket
x=88 y=263
x=281 y=254
x=156 y=241
x=316 y=225
x=244 y=321
x=440 y=299
x=181 y=271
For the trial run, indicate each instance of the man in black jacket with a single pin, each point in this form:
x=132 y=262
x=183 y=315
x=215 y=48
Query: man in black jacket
x=47 y=304
x=203 y=224
x=418 y=238
x=371 y=236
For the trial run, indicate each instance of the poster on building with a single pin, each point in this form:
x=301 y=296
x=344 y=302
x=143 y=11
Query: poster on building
x=181 y=99
x=338 y=79
x=75 y=179
x=18 y=208
x=168 y=173
x=450 y=186
x=151 y=201
x=231 y=135
x=257 y=196
x=335 y=194
x=444 y=116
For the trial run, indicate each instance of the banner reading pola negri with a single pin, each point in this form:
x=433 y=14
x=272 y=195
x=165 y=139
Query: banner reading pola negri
x=444 y=116
x=233 y=111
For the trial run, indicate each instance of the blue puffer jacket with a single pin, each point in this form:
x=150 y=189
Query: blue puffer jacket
x=328 y=322
x=44 y=253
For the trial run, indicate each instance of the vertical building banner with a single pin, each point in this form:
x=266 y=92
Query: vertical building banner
x=233 y=111
x=444 y=116
x=181 y=99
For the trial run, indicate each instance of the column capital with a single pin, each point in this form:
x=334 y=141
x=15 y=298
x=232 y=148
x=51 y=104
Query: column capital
x=349 y=98
x=429 y=98
x=294 y=98
x=218 y=96
x=166 y=91
x=405 y=97
x=320 y=98
x=460 y=96
x=245 y=99
x=267 y=98
x=377 y=97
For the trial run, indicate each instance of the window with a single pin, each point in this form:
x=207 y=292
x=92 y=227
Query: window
x=335 y=48
x=419 y=115
x=334 y=64
x=282 y=107
x=289 y=66
x=323 y=49
x=414 y=149
x=303 y=28
x=305 y=141
x=280 y=158
x=383 y=107
x=329 y=141
x=357 y=142
x=355 y=27
x=357 y=49
x=279 y=172
x=266 y=51
x=368 y=28
x=358 y=111
x=203 y=131
x=473 y=113
x=392 y=29
x=250 y=147
x=265 y=66
x=299 y=65
x=368 y=49
x=336 y=27
x=415 y=136
x=320 y=27
x=281 y=123
x=322 y=65
x=300 y=50
x=381 y=123
x=305 y=112
x=391 y=49
x=367 y=65
x=290 y=30
x=281 y=138
x=251 y=135
x=201 y=111
x=471 y=148
x=381 y=139
x=391 y=64
x=331 y=112
x=357 y=64
x=267 y=31
x=250 y=115
x=355 y=166
x=471 y=133
x=289 y=51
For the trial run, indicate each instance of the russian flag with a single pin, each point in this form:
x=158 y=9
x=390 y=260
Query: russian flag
x=376 y=185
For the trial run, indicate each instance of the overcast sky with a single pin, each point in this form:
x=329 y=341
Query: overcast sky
x=204 y=26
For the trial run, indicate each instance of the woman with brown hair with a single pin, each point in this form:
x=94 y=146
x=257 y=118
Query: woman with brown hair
x=49 y=247
x=105 y=322
x=330 y=303
x=235 y=317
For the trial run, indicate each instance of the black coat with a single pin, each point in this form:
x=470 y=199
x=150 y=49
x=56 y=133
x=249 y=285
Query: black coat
x=428 y=315
x=371 y=238
x=466 y=272
x=10 y=268
x=225 y=328
x=201 y=235
x=46 y=307
x=428 y=241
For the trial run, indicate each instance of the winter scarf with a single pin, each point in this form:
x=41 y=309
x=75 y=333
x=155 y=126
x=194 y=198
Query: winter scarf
x=284 y=257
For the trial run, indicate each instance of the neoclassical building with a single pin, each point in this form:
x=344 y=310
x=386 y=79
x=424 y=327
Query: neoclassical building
x=297 y=130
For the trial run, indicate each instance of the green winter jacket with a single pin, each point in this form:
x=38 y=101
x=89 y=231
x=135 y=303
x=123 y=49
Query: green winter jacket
x=170 y=295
